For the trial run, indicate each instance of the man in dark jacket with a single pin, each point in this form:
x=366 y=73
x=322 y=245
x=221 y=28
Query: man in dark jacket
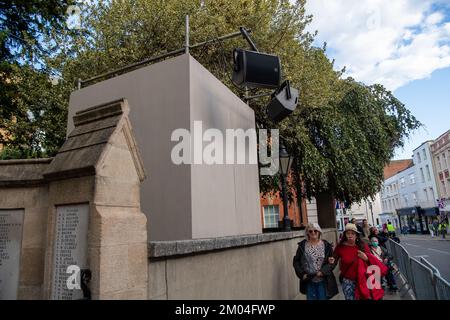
x=301 y=266
x=360 y=229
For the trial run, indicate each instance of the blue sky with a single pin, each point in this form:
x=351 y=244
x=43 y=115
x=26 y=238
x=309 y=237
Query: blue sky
x=429 y=101
x=402 y=44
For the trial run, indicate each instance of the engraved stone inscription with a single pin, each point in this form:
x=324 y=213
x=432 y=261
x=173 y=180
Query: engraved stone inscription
x=11 y=222
x=70 y=248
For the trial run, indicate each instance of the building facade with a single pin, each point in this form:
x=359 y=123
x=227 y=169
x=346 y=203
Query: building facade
x=390 y=195
x=390 y=201
x=440 y=150
x=427 y=191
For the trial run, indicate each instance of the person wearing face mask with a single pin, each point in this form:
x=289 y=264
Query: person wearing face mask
x=314 y=264
x=382 y=254
x=381 y=239
x=355 y=257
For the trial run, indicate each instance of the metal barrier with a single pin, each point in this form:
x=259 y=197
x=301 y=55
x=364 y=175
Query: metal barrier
x=423 y=286
x=421 y=276
x=442 y=288
x=429 y=265
x=401 y=259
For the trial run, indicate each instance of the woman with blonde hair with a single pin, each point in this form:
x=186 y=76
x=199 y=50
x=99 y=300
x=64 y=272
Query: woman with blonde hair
x=314 y=264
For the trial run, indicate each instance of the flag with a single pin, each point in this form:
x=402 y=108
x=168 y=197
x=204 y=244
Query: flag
x=441 y=203
x=340 y=204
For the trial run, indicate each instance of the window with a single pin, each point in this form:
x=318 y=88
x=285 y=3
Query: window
x=438 y=160
x=412 y=179
x=428 y=173
x=444 y=159
x=422 y=176
x=425 y=192
x=424 y=152
x=271 y=216
x=405 y=198
x=418 y=157
x=432 y=193
x=414 y=197
x=402 y=182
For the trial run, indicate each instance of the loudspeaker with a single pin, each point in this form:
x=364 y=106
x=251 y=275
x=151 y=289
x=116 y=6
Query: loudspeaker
x=255 y=69
x=283 y=103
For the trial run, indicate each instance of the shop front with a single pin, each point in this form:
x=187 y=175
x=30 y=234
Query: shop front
x=444 y=211
x=430 y=215
x=412 y=220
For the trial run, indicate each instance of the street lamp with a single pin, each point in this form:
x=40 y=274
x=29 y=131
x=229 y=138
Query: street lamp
x=285 y=164
x=371 y=211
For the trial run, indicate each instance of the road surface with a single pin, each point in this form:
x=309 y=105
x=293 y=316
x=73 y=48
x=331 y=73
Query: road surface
x=437 y=252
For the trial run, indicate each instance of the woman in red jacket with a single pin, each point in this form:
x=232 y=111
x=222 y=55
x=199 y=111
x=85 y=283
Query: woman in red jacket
x=348 y=251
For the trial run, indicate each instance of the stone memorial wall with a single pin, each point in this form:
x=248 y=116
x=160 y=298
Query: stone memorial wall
x=11 y=222
x=70 y=249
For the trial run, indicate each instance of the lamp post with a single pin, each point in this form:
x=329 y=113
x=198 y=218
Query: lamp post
x=285 y=164
x=371 y=212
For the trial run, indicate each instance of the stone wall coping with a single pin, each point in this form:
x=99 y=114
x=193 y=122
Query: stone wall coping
x=25 y=161
x=161 y=249
x=23 y=172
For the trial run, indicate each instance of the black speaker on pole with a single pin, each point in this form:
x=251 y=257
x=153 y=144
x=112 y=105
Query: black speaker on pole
x=255 y=69
x=283 y=103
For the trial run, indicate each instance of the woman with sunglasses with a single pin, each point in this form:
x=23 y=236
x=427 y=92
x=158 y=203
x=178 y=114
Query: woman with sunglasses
x=314 y=264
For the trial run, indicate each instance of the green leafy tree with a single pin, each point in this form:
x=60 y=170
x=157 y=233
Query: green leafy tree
x=27 y=99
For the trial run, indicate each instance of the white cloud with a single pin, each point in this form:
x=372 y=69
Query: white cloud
x=391 y=42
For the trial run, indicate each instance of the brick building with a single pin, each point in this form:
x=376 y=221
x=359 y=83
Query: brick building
x=272 y=211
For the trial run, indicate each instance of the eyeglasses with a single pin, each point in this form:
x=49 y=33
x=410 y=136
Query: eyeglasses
x=313 y=231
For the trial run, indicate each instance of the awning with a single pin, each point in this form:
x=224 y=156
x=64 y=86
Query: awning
x=430 y=211
x=408 y=211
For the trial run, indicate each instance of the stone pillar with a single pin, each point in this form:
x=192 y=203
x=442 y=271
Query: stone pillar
x=94 y=216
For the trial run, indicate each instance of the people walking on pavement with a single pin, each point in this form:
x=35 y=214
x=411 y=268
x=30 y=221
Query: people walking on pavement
x=354 y=257
x=443 y=228
x=314 y=264
x=436 y=227
x=390 y=228
x=383 y=256
x=430 y=228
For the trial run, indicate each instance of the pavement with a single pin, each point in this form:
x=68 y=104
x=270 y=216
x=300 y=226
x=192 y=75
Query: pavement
x=399 y=295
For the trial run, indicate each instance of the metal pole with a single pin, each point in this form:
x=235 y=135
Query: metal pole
x=186 y=46
x=371 y=212
x=258 y=96
x=286 y=220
